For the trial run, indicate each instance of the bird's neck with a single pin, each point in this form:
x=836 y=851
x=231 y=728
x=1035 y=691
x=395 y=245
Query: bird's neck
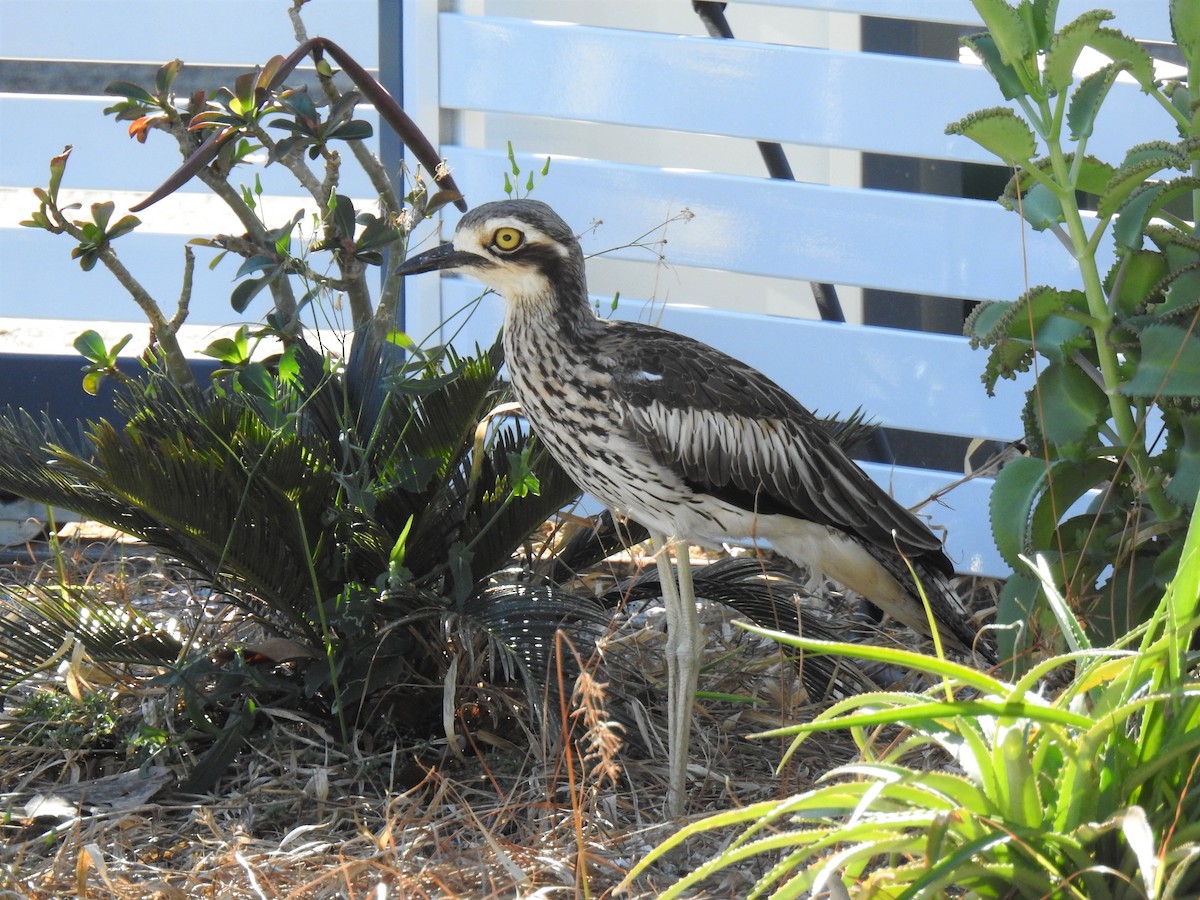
x=562 y=315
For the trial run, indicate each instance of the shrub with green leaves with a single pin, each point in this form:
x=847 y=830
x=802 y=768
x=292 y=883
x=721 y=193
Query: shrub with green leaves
x=1091 y=793
x=363 y=508
x=1113 y=421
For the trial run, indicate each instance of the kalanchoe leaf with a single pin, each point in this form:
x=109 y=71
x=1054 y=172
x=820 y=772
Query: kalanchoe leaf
x=1044 y=320
x=1092 y=176
x=1011 y=34
x=1144 y=204
x=1185 y=27
x=1086 y=101
x=1131 y=224
x=1182 y=290
x=983 y=46
x=1140 y=163
x=1070 y=406
x=1041 y=208
x=1122 y=49
x=1169 y=365
x=1030 y=497
x=1065 y=47
x=1133 y=278
x=1000 y=131
x=1018 y=485
x=1184 y=486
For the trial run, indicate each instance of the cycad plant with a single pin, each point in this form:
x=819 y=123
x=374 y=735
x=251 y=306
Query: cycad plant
x=356 y=506
x=359 y=512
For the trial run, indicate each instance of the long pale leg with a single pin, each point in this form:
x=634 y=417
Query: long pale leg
x=683 y=640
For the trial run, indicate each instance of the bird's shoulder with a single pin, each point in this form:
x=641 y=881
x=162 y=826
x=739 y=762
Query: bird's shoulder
x=653 y=366
x=731 y=431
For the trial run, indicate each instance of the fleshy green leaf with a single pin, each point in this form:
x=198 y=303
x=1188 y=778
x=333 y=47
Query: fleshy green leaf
x=1169 y=364
x=1140 y=163
x=101 y=213
x=1185 y=27
x=1131 y=224
x=1000 y=131
x=1182 y=291
x=245 y=292
x=1138 y=273
x=1070 y=404
x=1011 y=34
x=130 y=91
x=91 y=346
x=1018 y=486
x=1184 y=486
x=1030 y=496
x=1148 y=202
x=124 y=225
x=1041 y=208
x=1005 y=76
x=1122 y=49
x=256 y=381
x=1087 y=99
x=165 y=76
x=1066 y=45
x=356 y=130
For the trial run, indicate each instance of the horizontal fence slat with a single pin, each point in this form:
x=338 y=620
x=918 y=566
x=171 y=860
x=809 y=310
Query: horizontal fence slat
x=40 y=278
x=106 y=157
x=915 y=243
x=866 y=101
x=238 y=32
x=1146 y=19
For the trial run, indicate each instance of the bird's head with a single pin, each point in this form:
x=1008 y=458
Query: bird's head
x=519 y=248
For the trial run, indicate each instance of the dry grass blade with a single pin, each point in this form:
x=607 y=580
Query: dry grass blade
x=561 y=806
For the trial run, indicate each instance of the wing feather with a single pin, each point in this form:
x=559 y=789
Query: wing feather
x=727 y=428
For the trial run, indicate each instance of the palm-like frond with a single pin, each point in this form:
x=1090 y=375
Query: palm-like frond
x=41 y=625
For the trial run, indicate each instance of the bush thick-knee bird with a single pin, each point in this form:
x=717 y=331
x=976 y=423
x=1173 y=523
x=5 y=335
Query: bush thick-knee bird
x=691 y=443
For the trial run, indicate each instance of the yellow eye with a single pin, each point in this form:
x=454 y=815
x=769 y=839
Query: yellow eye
x=507 y=239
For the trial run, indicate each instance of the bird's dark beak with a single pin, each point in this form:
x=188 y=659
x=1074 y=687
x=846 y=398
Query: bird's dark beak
x=441 y=257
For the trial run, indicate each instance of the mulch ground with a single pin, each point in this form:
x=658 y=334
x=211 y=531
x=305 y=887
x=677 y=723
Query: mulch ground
x=88 y=783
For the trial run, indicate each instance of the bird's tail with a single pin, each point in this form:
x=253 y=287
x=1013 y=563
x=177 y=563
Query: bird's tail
x=927 y=586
